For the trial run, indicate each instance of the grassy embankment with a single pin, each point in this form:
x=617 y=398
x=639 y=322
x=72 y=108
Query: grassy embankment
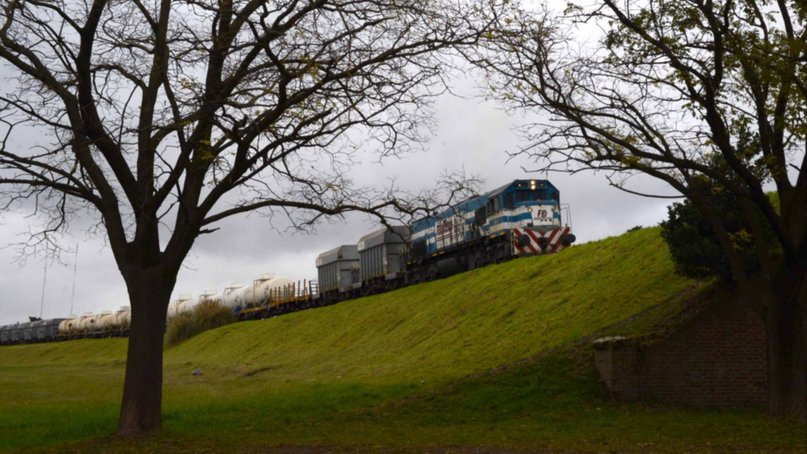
x=495 y=358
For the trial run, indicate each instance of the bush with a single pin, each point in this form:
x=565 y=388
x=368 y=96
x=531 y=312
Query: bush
x=694 y=246
x=205 y=316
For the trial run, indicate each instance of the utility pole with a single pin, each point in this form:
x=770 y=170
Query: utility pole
x=44 y=283
x=73 y=292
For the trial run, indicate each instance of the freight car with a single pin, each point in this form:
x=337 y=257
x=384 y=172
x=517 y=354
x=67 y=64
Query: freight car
x=338 y=270
x=32 y=331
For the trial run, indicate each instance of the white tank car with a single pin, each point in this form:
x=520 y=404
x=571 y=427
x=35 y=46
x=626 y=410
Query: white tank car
x=259 y=291
x=86 y=323
x=186 y=302
x=124 y=317
x=115 y=321
x=229 y=297
x=126 y=314
x=183 y=303
x=104 y=321
x=69 y=326
x=209 y=295
x=172 y=310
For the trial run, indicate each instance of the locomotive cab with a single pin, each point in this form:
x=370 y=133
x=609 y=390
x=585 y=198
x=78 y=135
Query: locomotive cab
x=522 y=203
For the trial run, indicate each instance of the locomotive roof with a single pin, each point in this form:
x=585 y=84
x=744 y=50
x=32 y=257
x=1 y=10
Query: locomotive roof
x=540 y=183
x=543 y=184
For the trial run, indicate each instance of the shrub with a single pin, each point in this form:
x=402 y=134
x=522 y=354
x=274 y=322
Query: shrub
x=694 y=246
x=204 y=316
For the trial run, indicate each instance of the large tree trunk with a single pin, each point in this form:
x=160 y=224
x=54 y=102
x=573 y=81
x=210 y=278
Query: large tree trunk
x=149 y=294
x=787 y=348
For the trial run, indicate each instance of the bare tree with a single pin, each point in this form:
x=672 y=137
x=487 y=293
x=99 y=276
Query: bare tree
x=703 y=95
x=162 y=118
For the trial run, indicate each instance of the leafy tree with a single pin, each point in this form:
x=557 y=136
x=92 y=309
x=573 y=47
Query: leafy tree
x=161 y=118
x=694 y=246
x=693 y=93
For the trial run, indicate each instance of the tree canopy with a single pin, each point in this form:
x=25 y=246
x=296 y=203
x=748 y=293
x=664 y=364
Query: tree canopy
x=694 y=246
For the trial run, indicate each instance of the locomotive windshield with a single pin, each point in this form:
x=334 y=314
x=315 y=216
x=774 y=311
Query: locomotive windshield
x=523 y=193
x=533 y=191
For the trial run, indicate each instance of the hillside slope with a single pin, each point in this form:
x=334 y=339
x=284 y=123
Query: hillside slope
x=456 y=326
x=442 y=329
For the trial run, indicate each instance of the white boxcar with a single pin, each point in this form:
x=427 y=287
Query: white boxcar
x=381 y=253
x=338 y=269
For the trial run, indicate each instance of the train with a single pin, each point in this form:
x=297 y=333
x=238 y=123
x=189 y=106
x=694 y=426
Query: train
x=522 y=217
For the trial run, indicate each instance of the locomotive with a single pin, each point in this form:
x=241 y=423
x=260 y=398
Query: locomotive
x=520 y=218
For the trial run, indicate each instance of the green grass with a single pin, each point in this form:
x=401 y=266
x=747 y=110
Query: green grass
x=494 y=359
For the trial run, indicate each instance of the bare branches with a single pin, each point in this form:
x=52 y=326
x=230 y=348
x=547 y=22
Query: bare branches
x=165 y=111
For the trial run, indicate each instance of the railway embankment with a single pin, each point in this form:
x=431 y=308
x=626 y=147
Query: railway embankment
x=495 y=359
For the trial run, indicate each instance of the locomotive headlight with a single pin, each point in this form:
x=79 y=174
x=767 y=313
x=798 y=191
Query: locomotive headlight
x=532 y=185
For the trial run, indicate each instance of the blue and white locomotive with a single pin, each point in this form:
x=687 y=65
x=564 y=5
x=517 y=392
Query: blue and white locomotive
x=522 y=217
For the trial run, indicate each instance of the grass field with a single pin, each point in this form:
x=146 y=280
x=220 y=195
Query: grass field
x=497 y=359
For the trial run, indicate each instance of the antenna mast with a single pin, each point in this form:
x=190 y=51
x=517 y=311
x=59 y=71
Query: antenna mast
x=44 y=282
x=73 y=292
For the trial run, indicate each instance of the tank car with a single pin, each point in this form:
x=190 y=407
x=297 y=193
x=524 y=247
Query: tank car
x=263 y=289
x=103 y=323
x=207 y=295
x=86 y=323
x=114 y=323
x=227 y=297
x=184 y=303
x=68 y=328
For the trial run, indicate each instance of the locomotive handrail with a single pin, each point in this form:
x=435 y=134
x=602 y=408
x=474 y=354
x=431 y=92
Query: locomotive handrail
x=568 y=208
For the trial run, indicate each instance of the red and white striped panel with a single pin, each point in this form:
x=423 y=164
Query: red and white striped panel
x=533 y=246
